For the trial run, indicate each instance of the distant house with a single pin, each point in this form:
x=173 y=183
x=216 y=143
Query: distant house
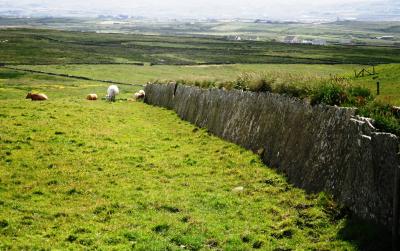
x=307 y=41
x=291 y=40
x=319 y=42
x=236 y=38
x=385 y=37
x=253 y=38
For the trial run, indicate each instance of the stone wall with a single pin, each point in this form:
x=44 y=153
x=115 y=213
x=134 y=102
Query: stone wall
x=319 y=148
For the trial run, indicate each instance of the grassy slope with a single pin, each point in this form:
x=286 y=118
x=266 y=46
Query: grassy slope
x=143 y=74
x=76 y=174
x=389 y=78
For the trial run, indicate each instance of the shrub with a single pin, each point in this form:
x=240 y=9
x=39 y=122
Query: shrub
x=359 y=91
x=359 y=96
x=291 y=90
x=242 y=82
x=383 y=116
x=260 y=83
x=330 y=94
x=387 y=124
x=208 y=84
x=227 y=85
x=252 y=82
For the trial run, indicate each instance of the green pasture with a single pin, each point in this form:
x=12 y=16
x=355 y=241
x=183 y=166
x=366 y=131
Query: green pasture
x=356 y=32
x=388 y=75
x=144 y=74
x=78 y=174
x=35 y=46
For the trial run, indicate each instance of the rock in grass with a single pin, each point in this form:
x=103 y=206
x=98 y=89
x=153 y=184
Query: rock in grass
x=3 y=224
x=238 y=190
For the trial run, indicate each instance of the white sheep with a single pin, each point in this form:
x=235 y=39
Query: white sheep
x=112 y=91
x=91 y=96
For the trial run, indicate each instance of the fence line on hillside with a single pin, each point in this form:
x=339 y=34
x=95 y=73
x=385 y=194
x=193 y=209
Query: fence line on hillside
x=72 y=76
x=364 y=72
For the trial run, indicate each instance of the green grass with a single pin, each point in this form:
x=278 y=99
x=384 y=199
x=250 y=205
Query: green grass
x=34 y=46
x=357 y=32
x=389 y=78
x=76 y=174
x=298 y=74
x=144 y=74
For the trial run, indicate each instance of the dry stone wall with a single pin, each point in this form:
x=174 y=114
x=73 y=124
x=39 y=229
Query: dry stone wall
x=319 y=148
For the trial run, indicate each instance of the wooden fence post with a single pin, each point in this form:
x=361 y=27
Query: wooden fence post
x=377 y=88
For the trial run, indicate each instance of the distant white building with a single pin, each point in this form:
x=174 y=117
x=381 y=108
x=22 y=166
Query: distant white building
x=385 y=37
x=236 y=38
x=295 y=40
x=307 y=41
x=319 y=42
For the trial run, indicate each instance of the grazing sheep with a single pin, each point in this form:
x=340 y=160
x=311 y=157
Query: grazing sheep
x=112 y=91
x=36 y=96
x=139 y=95
x=91 y=96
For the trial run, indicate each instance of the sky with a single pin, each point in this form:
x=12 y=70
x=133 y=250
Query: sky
x=282 y=9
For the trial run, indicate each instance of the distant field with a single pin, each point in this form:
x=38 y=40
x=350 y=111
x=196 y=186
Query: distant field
x=388 y=75
x=335 y=32
x=33 y=46
x=76 y=174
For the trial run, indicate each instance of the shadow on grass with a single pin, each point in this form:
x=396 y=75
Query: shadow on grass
x=11 y=74
x=366 y=235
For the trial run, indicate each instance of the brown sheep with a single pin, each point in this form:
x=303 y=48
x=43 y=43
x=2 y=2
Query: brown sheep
x=139 y=95
x=91 y=97
x=36 y=96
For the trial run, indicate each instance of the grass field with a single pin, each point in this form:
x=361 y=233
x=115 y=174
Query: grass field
x=388 y=75
x=33 y=46
x=334 y=32
x=76 y=174
x=102 y=56
x=389 y=78
x=144 y=74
